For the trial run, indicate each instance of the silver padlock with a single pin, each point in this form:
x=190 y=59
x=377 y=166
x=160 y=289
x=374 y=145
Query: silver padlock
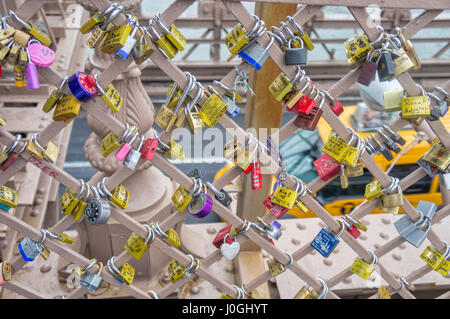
x=232 y=109
x=255 y=54
x=428 y=209
x=28 y=249
x=133 y=156
x=405 y=225
x=446 y=180
x=417 y=237
x=439 y=109
x=125 y=51
x=98 y=209
x=295 y=56
x=373 y=95
x=275 y=230
x=89 y=280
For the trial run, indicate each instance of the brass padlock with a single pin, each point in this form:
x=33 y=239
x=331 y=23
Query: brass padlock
x=66 y=108
x=117 y=37
x=415 y=107
x=173 y=34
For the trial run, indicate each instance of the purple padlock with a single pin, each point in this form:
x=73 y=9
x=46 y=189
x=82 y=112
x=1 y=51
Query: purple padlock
x=31 y=75
x=40 y=54
x=200 y=206
x=125 y=149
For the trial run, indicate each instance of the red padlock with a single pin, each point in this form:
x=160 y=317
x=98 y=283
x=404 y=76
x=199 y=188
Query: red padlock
x=309 y=122
x=299 y=105
x=249 y=168
x=310 y=103
x=218 y=240
x=277 y=210
x=149 y=148
x=326 y=167
x=336 y=107
x=354 y=231
x=256 y=177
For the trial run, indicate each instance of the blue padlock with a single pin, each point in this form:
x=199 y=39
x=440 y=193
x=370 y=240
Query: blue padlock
x=325 y=242
x=82 y=86
x=255 y=54
x=28 y=249
x=4 y=207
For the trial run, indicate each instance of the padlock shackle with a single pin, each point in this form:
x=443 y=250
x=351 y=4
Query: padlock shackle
x=108 y=10
x=380 y=37
x=324 y=289
x=150 y=234
x=341 y=230
x=198 y=97
x=104 y=189
x=162 y=23
x=255 y=26
x=34 y=140
x=125 y=133
x=16 y=17
x=88 y=192
x=279 y=36
x=83 y=186
x=297 y=26
x=153 y=294
x=240 y=293
x=13 y=145
x=97 y=83
x=152 y=29
x=111 y=17
x=297 y=78
x=92 y=262
x=441 y=90
x=287 y=30
x=186 y=91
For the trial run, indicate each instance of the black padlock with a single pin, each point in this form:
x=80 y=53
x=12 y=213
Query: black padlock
x=221 y=195
x=295 y=56
x=386 y=67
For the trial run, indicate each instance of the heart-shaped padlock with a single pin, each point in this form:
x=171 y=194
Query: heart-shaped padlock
x=229 y=251
x=40 y=54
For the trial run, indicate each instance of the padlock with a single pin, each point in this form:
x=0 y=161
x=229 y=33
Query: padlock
x=352 y=155
x=305 y=105
x=351 y=229
x=54 y=97
x=176 y=271
x=390 y=144
x=5 y=47
x=236 y=39
x=343 y=178
x=119 y=195
x=386 y=67
x=402 y=64
x=125 y=50
x=213 y=109
x=437 y=156
x=82 y=86
x=137 y=246
x=32 y=148
x=428 y=209
x=109 y=143
x=362 y=268
x=172 y=237
x=277 y=210
x=125 y=148
x=394 y=135
x=357 y=47
x=173 y=150
x=143 y=49
x=89 y=280
x=414 y=107
x=406 y=226
x=356 y=171
x=13 y=54
x=30 y=28
x=310 y=121
x=149 y=148
x=22 y=62
x=275 y=230
x=325 y=242
x=382 y=149
x=164 y=115
x=383 y=293
x=12 y=154
x=306 y=293
x=29 y=249
x=433 y=257
x=256 y=177
x=285 y=197
x=133 y=156
x=418 y=236
x=173 y=34
x=255 y=54
x=117 y=37
x=276 y=268
x=439 y=109
x=195 y=119
x=50 y=152
x=164 y=44
x=280 y=87
x=126 y=274
x=98 y=210
x=222 y=237
x=40 y=54
x=3 y=155
x=369 y=69
x=5 y=272
x=99 y=34
x=111 y=96
x=31 y=75
x=295 y=55
x=82 y=203
x=220 y=194
x=178 y=118
x=8 y=198
x=335 y=147
x=200 y=206
x=19 y=77
x=69 y=200
x=6 y=33
x=94 y=21
x=326 y=167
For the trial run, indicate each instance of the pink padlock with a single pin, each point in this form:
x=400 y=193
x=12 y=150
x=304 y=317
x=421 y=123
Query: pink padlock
x=40 y=54
x=125 y=149
x=31 y=76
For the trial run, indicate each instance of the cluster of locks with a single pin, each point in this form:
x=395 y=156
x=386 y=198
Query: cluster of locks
x=24 y=49
x=383 y=60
